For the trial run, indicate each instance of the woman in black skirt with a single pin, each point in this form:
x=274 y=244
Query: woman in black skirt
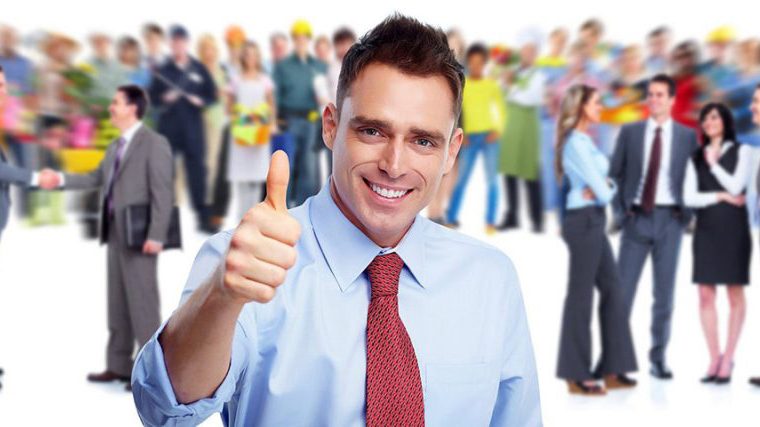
x=715 y=184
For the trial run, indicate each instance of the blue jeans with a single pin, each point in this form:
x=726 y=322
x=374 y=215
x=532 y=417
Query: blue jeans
x=305 y=175
x=467 y=155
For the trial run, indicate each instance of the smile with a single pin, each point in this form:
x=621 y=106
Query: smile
x=387 y=193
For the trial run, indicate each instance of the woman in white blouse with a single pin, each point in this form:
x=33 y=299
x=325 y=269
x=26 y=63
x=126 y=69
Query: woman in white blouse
x=248 y=164
x=715 y=184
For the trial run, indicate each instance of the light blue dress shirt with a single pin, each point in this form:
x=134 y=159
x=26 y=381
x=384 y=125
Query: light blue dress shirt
x=300 y=360
x=586 y=166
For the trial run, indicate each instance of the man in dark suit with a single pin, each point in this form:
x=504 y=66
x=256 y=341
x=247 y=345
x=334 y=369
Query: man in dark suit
x=180 y=89
x=137 y=170
x=648 y=166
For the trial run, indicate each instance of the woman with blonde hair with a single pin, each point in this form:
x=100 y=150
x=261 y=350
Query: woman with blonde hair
x=583 y=168
x=253 y=112
x=213 y=119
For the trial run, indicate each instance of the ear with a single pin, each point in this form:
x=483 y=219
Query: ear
x=454 y=145
x=329 y=125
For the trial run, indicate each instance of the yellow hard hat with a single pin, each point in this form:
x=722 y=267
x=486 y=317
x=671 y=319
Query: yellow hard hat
x=301 y=28
x=723 y=34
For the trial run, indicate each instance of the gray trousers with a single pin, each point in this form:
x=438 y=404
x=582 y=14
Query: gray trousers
x=134 y=310
x=658 y=234
x=592 y=264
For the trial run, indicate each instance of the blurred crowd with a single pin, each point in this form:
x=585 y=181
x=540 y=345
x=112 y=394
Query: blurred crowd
x=225 y=102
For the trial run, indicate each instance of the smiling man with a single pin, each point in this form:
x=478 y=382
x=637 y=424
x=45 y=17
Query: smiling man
x=352 y=308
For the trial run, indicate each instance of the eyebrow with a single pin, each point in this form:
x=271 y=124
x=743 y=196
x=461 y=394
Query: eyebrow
x=382 y=124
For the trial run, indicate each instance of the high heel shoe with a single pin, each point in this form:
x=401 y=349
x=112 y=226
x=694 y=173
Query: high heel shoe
x=578 y=387
x=725 y=380
x=711 y=377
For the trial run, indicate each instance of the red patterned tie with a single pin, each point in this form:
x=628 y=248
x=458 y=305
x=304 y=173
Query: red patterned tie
x=394 y=388
x=653 y=171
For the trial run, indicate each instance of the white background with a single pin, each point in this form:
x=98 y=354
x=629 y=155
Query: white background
x=52 y=283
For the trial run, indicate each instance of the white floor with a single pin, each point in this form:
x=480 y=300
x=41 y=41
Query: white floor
x=52 y=333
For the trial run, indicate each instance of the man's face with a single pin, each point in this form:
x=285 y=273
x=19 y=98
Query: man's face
x=658 y=45
x=476 y=63
x=659 y=100
x=322 y=50
x=101 y=46
x=179 y=47
x=153 y=43
x=3 y=89
x=528 y=53
x=391 y=146
x=121 y=112
x=301 y=43
x=341 y=49
x=279 y=48
x=754 y=107
x=8 y=38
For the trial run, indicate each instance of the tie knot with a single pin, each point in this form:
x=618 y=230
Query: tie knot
x=121 y=141
x=658 y=130
x=384 y=272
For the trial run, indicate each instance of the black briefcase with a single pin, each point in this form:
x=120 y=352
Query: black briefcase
x=138 y=221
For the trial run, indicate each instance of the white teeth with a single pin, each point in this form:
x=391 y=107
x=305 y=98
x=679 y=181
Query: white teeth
x=387 y=193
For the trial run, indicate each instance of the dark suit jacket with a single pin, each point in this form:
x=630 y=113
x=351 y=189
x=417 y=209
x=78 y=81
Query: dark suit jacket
x=627 y=165
x=145 y=176
x=9 y=174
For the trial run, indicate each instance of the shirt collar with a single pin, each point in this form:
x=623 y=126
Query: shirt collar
x=652 y=125
x=348 y=251
x=130 y=133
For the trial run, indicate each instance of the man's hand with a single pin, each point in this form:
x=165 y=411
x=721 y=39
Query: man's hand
x=588 y=194
x=170 y=96
x=262 y=248
x=195 y=100
x=739 y=200
x=152 y=247
x=492 y=136
x=49 y=179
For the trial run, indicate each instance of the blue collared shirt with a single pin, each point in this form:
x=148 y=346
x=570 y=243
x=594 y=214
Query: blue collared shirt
x=301 y=358
x=586 y=167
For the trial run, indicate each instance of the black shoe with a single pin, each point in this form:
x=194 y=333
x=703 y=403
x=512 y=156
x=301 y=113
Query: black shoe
x=708 y=379
x=755 y=381
x=128 y=387
x=725 y=380
x=507 y=224
x=208 y=228
x=660 y=371
x=1 y=371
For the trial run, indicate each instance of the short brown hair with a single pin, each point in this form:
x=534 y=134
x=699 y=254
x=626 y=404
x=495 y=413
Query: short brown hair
x=410 y=46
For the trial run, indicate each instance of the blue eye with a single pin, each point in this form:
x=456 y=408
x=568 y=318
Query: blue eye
x=424 y=142
x=371 y=132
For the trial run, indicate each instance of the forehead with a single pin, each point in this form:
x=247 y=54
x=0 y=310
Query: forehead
x=385 y=93
x=658 y=87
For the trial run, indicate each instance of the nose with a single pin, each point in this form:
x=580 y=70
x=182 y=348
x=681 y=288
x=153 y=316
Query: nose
x=391 y=158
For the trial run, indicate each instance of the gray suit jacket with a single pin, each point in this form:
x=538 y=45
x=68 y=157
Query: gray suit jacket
x=145 y=176
x=627 y=165
x=9 y=174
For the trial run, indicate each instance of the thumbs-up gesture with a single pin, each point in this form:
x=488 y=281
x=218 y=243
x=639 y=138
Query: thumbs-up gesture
x=263 y=245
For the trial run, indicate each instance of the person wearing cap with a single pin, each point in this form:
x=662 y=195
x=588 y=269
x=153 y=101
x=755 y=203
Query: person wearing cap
x=181 y=89
x=298 y=111
x=520 y=141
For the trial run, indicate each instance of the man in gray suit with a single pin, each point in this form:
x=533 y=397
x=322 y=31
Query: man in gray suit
x=137 y=170
x=649 y=165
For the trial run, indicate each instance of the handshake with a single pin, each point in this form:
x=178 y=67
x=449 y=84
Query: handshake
x=48 y=179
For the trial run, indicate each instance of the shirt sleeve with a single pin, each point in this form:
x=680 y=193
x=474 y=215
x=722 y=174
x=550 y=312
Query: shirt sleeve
x=579 y=155
x=518 y=402
x=735 y=183
x=692 y=197
x=153 y=393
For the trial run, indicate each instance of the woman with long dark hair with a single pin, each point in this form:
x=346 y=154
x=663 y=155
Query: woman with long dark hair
x=592 y=264
x=715 y=184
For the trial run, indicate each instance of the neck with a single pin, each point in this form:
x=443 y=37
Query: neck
x=302 y=54
x=583 y=125
x=124 y=127
x=661 y=119
x=384 y=241
x=716 y=140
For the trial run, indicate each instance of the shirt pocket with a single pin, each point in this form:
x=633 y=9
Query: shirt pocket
x=460 y=394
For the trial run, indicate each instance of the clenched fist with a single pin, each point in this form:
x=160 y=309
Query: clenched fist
x=263 y=245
